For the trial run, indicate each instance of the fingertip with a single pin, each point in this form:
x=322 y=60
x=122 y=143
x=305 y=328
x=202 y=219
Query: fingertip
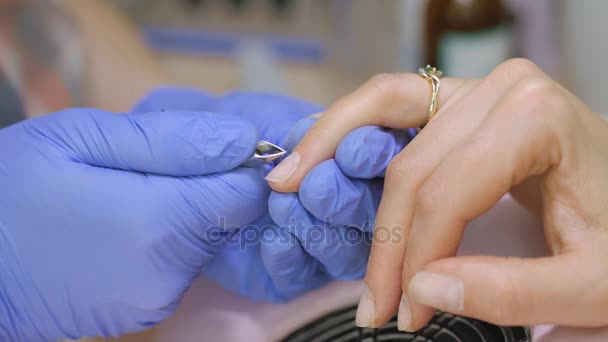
x=287 y=175
x=384 y=283
x=282 y=187
x=418 y=288
x=386 y=301
x=310 y=151
x=420 y=316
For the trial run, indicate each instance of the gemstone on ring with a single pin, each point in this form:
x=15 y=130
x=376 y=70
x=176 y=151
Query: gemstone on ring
x=431 y=71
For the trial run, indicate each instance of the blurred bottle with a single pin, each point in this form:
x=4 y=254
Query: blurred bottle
x=468 y=38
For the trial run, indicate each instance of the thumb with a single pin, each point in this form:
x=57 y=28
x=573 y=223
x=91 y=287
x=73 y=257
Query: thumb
x=178 y=143
x=561 y=290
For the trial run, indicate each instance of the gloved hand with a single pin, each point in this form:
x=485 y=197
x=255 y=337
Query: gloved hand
x=323 y=233
x=105 y=220
x=332 y=214
x=239 y=265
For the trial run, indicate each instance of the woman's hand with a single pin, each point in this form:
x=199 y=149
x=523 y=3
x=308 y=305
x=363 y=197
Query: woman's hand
x=515 y=130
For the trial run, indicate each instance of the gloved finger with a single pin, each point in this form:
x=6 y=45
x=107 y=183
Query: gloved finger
x=366 y=152
x=330 y=195
x=512 y=291
x=292 y=270
x=273 y=115
x=174 y=99
x=206 y=209
x=169 y=143
x=342 y=250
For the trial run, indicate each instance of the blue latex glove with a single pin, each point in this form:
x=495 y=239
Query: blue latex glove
x=105 y=220
x=337 y=201
x=239 y=265
x=333 y=213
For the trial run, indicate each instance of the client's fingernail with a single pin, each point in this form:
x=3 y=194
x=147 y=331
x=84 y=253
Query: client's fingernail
x=366 y=312
x=437 y=291
x=285 y=169
x=404 y=318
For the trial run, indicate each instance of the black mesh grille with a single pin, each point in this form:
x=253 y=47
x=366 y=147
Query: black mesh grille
x=339 y=326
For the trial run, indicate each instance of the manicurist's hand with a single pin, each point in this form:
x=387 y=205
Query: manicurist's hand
x=516 y=131
x=106 y=219
x=310 y=238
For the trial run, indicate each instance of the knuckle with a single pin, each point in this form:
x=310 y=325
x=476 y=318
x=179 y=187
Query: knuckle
x=536 y=88
x=392 y=93
x=384 y=81
x=523 y=65
x=516 y=68
x=391 y=87
x=545 y=102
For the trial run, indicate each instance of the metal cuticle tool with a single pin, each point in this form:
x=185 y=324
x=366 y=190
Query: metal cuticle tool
x=265 y=153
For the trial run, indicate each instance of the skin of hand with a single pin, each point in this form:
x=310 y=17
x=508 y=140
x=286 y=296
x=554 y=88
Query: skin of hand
x=307 y=239
x=516 y=131
x=105 y=219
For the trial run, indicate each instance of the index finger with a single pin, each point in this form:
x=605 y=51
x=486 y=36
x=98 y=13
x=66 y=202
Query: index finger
x=388 y=100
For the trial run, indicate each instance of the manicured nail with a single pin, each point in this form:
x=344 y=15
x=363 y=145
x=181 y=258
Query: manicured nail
x=404 y=318
x=437 y=291
x=285 y=169
x=366 y=311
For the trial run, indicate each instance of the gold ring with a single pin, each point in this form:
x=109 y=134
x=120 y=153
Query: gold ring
x=433 y=76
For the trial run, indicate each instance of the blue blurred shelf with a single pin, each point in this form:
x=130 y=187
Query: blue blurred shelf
x=225 y=44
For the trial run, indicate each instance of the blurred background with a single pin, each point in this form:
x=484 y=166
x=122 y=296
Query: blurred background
x=108 y=53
